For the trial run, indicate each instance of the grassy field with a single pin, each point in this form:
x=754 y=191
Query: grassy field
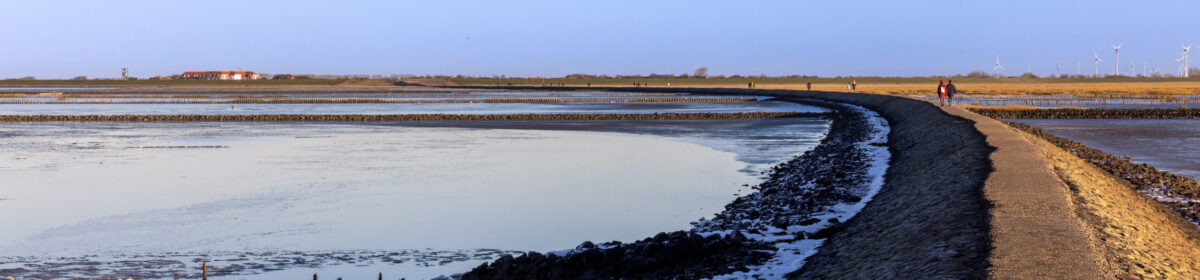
x=1116 y=86
x=1093 y=87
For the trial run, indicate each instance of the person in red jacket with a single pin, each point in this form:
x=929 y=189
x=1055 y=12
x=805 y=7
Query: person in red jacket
x=941 y=92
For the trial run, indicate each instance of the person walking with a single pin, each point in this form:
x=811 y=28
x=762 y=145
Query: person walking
x=941 y=92
x=810 y=86
x=853 y=85
x=950 y=92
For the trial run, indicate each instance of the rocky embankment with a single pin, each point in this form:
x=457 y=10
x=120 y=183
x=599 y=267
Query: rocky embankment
x=1074 y=113
x=930 y=218
x=1180 y=193
x=742 y=238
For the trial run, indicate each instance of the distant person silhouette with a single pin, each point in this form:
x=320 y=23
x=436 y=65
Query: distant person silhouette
x=809 y=85
x=853 y=85
x=950 y=92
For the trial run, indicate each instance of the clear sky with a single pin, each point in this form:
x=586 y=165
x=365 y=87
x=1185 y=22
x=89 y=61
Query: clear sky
x=62 y=39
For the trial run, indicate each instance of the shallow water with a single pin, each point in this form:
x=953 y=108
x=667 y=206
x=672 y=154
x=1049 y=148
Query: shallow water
x=1170 y=145
x=115 y=190
x=405 y=108
x=37 y=89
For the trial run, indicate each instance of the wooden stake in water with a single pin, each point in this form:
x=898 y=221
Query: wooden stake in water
x=204 y=270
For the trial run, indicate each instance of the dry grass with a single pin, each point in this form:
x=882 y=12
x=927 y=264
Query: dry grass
x=1097 y=89
x=1005 y=107
x=1078 y=89
x=1138 y=237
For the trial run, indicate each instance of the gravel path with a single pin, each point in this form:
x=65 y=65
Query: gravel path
x=1035 y=233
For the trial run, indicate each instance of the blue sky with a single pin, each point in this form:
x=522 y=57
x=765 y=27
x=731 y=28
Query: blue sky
x=62 y=39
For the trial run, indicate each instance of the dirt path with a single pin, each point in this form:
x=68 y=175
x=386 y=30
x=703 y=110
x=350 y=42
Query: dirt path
x=1034 y=231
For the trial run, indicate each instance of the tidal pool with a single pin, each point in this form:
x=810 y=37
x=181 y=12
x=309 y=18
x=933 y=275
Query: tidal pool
x=415 y=200
x=403 y=108
x=1169 y=145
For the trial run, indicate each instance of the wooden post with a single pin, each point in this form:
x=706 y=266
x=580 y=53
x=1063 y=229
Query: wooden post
x=204 y=271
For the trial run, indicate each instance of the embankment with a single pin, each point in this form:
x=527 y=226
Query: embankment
x=969 y=197
x=930 y=220
x=1134 y=236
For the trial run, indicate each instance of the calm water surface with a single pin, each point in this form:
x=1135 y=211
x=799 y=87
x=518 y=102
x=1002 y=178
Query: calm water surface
x=1171 y=145
x=403 y=108
x=432 y=193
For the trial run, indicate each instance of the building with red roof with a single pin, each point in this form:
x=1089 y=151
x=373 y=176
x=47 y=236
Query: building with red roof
x=219 y=75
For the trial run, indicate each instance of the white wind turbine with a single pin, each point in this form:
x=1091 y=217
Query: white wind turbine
x=1186 y=63
x=1096 y=64
x=1117 y=64
x=1179 y=68
x=997 y=68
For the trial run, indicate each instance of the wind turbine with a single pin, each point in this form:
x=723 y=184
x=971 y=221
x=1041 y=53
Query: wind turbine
x=1186 y=63
x=1057 y=68
x=1117 y=50
x=1077 y=63
x=1096 y=64
x=998 y=67
x=1179 y=68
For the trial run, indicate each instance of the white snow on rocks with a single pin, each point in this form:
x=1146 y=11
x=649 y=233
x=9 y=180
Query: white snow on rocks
x=790 y=255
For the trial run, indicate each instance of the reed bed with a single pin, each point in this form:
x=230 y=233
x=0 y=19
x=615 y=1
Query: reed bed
x=983 y=87
x=1076 y=113
x=1060 y=100
x=400 y=117
x=402 y=101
